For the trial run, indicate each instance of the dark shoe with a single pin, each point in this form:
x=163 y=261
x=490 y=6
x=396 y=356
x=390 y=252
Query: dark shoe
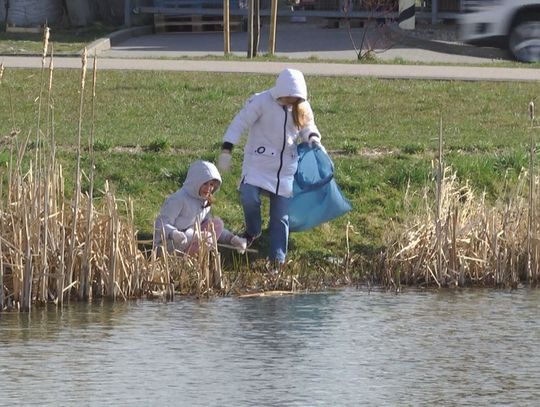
x=249 y=239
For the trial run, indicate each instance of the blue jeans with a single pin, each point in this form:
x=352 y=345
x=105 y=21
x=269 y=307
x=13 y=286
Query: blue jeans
x=250 y=197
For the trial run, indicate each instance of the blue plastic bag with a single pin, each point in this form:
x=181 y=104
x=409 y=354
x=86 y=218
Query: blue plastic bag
x=316 y=196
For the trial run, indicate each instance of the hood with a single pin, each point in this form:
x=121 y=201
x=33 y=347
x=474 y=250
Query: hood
x=290 y=82
x=200 y=172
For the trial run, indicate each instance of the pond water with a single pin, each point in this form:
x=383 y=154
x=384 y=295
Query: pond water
x=346 y=348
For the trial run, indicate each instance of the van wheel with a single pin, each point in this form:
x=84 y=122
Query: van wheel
x=524 y=40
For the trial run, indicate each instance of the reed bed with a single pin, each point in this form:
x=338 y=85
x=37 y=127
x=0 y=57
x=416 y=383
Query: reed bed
x=52 y=253
x=457 y=238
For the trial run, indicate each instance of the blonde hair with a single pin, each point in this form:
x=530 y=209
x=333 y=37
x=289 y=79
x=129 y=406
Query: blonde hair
x=209 y=201
x=302 y=114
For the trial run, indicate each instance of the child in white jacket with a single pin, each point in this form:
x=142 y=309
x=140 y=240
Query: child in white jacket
x=175 y=226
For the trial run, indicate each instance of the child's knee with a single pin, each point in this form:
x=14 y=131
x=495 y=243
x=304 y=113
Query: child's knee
x=215 y=224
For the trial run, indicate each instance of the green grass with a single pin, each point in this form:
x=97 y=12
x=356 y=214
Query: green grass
x=262 y=57
x=64 y=41
x=382 y=135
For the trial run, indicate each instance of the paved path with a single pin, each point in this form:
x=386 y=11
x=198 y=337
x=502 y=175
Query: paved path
x=170 y=52
x=309 y=68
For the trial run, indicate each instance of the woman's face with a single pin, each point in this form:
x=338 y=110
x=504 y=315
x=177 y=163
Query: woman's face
x=288 y=100
x=207 y=188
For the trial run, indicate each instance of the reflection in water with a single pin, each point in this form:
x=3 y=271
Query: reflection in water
x=47 y=323
x=349 y=348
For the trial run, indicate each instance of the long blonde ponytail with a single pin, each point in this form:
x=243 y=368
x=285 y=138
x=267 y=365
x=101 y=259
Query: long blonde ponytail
x=302 y=114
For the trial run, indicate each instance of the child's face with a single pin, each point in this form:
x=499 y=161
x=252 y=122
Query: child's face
x=288 y=100
x=207 y=188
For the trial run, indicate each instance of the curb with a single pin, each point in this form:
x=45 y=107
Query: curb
x=455 y=48
x=105 y=43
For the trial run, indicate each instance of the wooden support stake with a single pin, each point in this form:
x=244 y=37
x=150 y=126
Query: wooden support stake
x=250 y=28
x=273 y=25
x=226 y=28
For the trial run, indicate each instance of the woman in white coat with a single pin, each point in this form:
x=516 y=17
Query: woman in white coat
x=276 y=120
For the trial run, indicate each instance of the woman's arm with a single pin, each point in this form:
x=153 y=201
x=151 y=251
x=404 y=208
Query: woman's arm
x=245 y=118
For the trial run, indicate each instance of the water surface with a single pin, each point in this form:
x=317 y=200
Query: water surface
x=348 y=348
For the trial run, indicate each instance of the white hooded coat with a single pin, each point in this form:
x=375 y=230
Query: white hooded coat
x=270 y=155
x=184 y=208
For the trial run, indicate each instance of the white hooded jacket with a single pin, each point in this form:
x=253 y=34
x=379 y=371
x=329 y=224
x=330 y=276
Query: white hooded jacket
x=184 y=208
x=270 y=155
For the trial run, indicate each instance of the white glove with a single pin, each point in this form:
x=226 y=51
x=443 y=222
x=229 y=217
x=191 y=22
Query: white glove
x=224 y=161
x=239 y=243
x=179 y=239
x=314 y=141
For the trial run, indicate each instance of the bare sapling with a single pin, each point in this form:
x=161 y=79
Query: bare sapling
x=375 y=33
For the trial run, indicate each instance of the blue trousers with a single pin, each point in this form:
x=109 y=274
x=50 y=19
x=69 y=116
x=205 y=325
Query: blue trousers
x=250 y=197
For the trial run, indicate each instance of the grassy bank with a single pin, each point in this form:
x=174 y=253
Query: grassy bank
x=382 y=135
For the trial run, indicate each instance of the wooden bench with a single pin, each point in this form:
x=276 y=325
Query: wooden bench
x=195 y=15
x=195 y=23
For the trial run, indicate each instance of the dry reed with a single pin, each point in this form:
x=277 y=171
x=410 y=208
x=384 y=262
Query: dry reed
x=88 y=253
x=462 y=240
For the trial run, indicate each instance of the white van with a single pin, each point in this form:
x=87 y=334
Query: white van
x=511 y=24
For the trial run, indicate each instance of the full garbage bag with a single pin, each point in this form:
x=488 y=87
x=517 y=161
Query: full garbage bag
x=316 y=196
